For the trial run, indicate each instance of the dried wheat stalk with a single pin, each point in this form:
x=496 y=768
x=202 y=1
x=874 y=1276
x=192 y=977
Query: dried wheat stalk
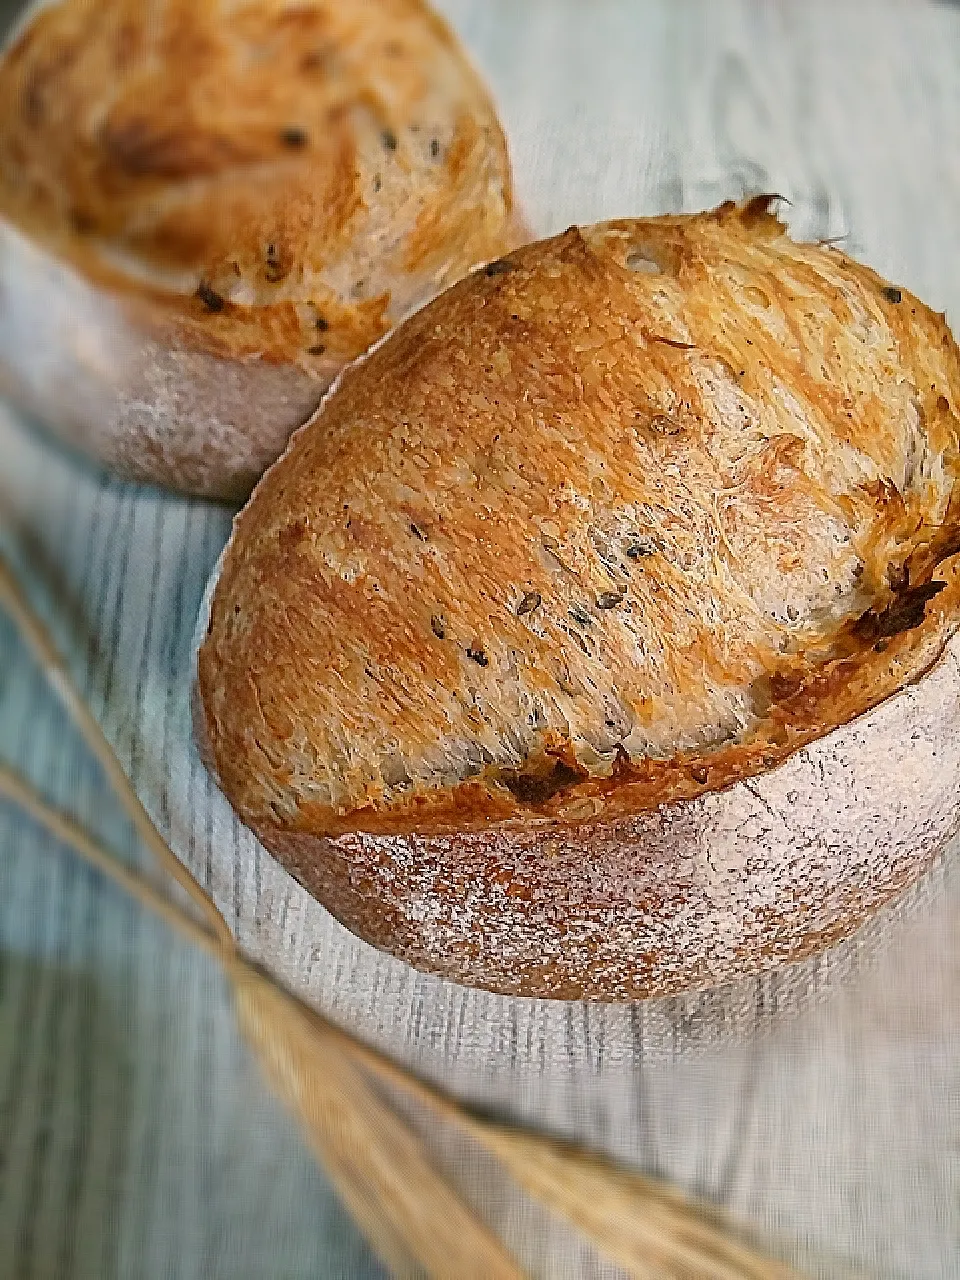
x=412 y=1218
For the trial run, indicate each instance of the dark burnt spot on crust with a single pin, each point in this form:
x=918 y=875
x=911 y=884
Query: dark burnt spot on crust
x=638 y=548
x=82 y=222
x=898 y=577
x=438 y=626
x=673 y=342
x=212 y=300
x=892 y=293
x=664 y=425
x=292 y=534
x=275 y=265
x=536 y=788
x=477 y=655
x=760 y=206
x=294 y=137
x=903 y=613
x=531 y=601
x=779 y=687
x=389 y=139
x=501 y=267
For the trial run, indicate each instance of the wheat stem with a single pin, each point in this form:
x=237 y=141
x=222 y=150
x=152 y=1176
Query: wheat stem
x=19 y=792
x=55 y=670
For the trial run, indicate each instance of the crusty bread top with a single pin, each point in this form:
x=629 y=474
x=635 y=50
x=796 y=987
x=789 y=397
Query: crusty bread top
x=621 y=518
x=285 y=179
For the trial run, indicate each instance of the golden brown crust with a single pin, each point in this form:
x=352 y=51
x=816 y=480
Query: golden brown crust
x=612 y=533
x=611 y=536
x=255 y=178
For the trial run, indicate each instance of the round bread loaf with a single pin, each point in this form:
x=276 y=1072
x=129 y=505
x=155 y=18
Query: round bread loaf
x=598 y=637
x=208 y=208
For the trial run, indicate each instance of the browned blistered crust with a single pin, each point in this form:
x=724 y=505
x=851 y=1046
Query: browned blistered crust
x=257 y=178
x=614 y=524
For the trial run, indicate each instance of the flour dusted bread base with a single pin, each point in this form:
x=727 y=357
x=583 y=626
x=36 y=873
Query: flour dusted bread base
x=103 y=373
x=598 y=639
